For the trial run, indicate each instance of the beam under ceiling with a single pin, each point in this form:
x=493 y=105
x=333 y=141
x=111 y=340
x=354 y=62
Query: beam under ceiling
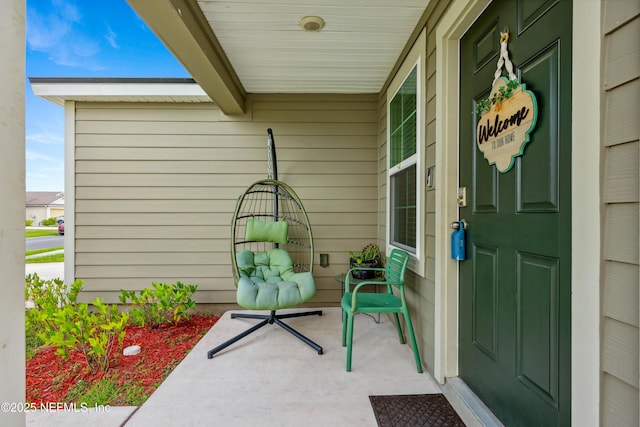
x=184 y=30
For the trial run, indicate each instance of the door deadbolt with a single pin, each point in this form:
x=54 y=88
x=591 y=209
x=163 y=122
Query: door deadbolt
x=462 y=197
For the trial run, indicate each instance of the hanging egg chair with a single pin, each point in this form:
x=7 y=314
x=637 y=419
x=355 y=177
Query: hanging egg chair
x=271 y=255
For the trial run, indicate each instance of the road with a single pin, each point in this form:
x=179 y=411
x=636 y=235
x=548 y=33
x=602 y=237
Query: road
x=44 y=242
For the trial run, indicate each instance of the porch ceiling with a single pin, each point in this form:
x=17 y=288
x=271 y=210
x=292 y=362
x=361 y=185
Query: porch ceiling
x=235 y=47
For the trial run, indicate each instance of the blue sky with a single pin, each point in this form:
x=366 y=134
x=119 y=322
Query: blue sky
x=80 y=38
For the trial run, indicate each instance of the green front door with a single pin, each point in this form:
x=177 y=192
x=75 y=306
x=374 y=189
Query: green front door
x=515 y=286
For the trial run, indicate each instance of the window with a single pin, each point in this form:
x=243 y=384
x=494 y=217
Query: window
x=405 y=153
x=402 y=164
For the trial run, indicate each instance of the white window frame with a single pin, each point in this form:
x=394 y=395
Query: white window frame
x=416 y=58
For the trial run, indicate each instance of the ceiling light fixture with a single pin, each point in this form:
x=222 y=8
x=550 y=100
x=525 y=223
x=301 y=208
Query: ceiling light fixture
x=312 y=23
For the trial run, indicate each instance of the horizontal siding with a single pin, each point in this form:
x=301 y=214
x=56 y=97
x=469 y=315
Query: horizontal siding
x=623 y=54
x=620 y=195
x=222 y=141
x=151 y=113
x=618 y=14
x=335 y=116
x=208 y=179
x=202 y=232
x=622 y=106
x=352 y=215
x=139 y=125
x=420 y=290
x=156 y=186
x=154 y=206
x=620 y=342
x=621 y=173
x=620 y=403
x=182 y=153
x=621 y=293
x=204 y=193
x=621 y=233
x=230 y=167
x=178 y=206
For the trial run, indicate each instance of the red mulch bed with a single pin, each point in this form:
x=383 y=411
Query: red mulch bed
x=49 y=376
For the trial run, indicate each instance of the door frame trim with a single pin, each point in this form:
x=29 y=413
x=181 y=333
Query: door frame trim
x=457 y=19
x=585 y=207
x=585 y=181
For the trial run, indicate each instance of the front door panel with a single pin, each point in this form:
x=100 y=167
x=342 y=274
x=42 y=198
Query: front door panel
x=515 y=286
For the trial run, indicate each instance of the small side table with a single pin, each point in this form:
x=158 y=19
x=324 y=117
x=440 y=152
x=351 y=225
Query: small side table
x=342 y=278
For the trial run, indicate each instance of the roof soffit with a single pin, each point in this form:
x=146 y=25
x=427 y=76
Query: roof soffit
x=259 y=47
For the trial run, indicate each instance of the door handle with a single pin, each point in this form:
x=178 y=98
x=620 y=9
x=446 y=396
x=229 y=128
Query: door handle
x=456 y=224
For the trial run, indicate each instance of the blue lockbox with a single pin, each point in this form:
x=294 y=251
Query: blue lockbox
x=458 y=243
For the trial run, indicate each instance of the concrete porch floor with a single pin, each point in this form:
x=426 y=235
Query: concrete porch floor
x=271 y=378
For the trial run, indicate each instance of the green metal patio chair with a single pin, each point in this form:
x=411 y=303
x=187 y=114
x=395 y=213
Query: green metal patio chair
x=354 y=302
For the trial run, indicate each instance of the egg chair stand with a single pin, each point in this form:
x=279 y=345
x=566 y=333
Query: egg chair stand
x=271 y=255
x=268 y=319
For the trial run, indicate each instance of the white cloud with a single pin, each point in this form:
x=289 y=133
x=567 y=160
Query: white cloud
x=67 y=10
x=44 y=32
x=111 y=37
x=33 y=155
x=45 y=138
x=55 y=30
x=44 y=171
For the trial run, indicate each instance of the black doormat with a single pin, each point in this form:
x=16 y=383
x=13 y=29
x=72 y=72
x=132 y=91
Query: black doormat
x=414 y=410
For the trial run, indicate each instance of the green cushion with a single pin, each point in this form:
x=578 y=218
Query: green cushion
x=263 y=231
x=268 y=282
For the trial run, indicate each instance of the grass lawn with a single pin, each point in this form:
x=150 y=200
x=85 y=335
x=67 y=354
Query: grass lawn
x=40 y=233
x=39 y=251
x=46 y=258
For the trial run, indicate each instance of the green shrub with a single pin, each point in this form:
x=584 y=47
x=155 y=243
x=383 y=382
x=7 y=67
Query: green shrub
x=32 y=342
x=28 y=222
x=60 y=321
x=45 y=295
x=165 y=303
x=49 y=221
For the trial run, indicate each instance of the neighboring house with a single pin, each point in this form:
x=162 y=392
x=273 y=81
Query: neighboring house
x=374 y=124
x=43 y=205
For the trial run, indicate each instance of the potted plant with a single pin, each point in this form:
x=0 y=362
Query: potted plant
x=369 y=257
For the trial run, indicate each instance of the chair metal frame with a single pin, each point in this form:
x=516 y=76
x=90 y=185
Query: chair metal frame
x=354 y=302
x=274 y=200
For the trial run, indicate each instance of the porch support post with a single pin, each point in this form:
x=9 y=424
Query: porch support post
x=12 y=194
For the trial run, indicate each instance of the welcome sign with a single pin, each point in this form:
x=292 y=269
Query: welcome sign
x=508 y=117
